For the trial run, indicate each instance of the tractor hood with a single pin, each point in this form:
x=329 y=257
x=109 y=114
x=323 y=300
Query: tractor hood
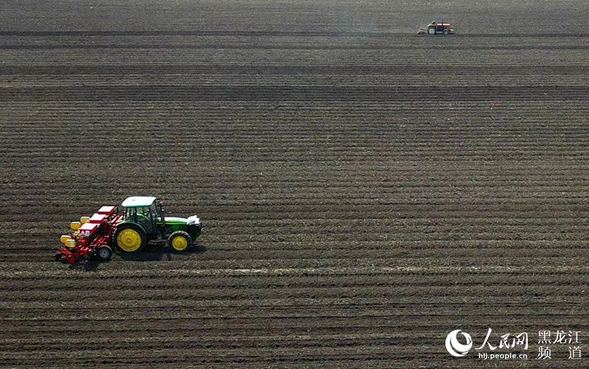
x=182 y=221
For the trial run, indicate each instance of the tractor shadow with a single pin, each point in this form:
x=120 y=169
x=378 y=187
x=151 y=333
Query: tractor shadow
x=159 y=253
x=149 y=253
x=87 y=265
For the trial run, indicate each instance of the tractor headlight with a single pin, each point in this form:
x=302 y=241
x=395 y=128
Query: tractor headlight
x=193 y=220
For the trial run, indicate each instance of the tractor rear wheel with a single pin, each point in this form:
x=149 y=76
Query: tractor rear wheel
x=129 y=238
x=104 y=253
x=431 y=31
x=179 y=241
x=445 y=32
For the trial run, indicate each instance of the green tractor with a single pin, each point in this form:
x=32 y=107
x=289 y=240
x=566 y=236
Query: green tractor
x=141 y=219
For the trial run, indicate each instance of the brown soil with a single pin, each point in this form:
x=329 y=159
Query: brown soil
x=365 y=190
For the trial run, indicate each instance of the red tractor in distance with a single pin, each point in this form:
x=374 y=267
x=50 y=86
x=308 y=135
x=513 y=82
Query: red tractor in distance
x=437 y=28
x=127 y=228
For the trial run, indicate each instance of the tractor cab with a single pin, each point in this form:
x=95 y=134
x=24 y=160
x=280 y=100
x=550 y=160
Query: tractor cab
x=144 y=211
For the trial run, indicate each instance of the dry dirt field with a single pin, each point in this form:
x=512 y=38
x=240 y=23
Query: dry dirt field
x=365 y=190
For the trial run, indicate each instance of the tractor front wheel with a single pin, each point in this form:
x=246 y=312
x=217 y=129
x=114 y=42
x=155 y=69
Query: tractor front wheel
x=179 y=241
x=431 y=31
x=129 y=238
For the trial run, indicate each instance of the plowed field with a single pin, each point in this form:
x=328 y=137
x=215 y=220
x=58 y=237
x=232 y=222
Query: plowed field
x=365 y=191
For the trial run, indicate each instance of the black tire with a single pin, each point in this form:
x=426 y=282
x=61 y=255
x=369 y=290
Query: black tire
x=104 y=253
x=124 y=227
x=445 y=32
x=431 y=31
x=185 y=246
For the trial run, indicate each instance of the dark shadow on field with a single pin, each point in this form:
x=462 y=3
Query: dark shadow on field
x=150 y=253
x=87 y=265
x=159 y=253
x=92 y=265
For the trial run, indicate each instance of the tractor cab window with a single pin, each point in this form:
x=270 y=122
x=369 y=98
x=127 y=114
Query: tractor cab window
x=137 y=214
x=145 y=214
x=131 y=214
x=143 y=211
x=153 y=209
x=151 y=213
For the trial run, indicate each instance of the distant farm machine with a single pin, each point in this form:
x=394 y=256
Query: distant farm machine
x=437 y=28
x=127 y=228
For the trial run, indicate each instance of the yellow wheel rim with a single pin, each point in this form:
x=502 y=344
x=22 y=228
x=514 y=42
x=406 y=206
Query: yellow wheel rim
x=129 y=240
x=179 y=243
